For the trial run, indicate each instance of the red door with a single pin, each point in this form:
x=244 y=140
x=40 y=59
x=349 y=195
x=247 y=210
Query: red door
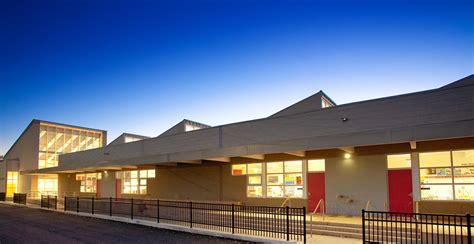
x=316 y=189
x=400 y=190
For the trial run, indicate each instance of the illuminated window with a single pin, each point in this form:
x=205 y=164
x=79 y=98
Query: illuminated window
x=278 y=180
x=325 y=103
x=56 y=140
x=190 y=127
x=285 y=179
x=254 y=168
x=254 y=180
x=435 y=159
x=239 y=169
x=274 y=167
x=316 y=165
x=399 y=161
x=254 y=191
x=47 y=184
x=135 y=181
x=463 y=158
x=444 y=179
x=293 y=166
x=12 y=183
x=88 y=181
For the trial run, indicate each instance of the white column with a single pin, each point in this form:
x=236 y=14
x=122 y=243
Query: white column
x=415 y=176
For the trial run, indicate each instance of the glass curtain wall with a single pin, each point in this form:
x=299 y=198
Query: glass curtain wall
x=56 y=140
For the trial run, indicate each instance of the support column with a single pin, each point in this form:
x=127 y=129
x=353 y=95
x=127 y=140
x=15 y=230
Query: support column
x=415 y=175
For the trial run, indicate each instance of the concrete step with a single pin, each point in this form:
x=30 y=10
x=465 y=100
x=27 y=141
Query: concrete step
x=336 y=228
x=325 y=223
x=337 y=234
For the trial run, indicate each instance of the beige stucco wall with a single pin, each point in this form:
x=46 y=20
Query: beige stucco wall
x=26 y=151
x=107 y=184
x=350 y=183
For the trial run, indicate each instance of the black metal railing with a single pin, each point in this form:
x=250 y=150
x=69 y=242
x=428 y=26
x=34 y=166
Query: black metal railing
x=48 y=201
x=392 y=227
x=3 y=196
x=19 y=198
x=273 y=222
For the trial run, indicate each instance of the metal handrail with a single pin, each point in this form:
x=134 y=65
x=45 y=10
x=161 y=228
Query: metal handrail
x=288 y=199
x=323 y=213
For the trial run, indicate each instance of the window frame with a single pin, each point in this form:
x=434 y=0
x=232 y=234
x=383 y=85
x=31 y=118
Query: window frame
x=141 y=182
x=453 y=183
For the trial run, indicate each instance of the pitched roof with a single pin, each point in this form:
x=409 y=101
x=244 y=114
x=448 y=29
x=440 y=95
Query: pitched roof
x=181 y=127
x=466 y=81
x=310 y=103
x=122 y=138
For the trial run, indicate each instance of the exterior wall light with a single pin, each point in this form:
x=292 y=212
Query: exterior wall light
x=105 y=172
x=347 y=155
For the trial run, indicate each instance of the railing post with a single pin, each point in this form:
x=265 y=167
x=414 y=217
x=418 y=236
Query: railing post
x=131 y=212
x=233 y=218
x=287 y=223
x=77 y=205
x=65 y=201
x=48 y=202
x=110 y=206
x=304 y=224
x=191 y=214
x=55 y=202
x=158 y=211
x=93 y=204
x=469 y=235
x=363 y=225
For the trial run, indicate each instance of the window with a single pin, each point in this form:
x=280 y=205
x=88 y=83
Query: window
x=48 y=184
x=56 y=140
x=88 y=181
x=463 y=158
x=254 y=191
x=254 y=168
x=276 y=179
x=239 y=169
x=399 y=161
x=325 y=103
x=436 y=159
x=447 y=175
x=135 y=181
x=276 y=167
x=12 y=183
x=254 y=180
x=285 y=179
x=316 y=165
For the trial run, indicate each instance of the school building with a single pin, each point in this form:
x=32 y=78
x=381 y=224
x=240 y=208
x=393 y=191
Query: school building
x=411 y=152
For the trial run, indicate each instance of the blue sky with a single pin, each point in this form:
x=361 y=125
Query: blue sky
x=142 y=66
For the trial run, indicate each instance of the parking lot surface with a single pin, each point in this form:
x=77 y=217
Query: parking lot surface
x=26 y=225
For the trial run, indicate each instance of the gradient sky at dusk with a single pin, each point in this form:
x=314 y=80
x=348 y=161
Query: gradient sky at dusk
x=143 y=66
